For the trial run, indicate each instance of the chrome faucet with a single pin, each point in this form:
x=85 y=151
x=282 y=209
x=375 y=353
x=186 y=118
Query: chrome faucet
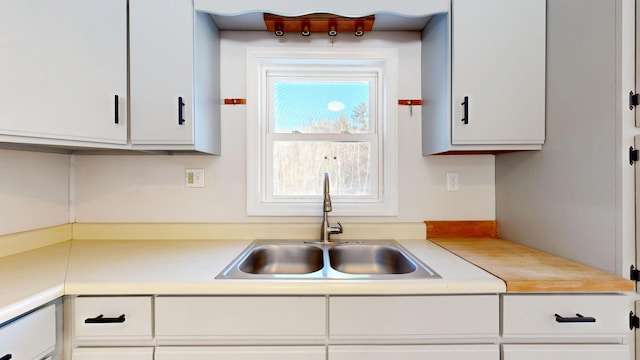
x=328 y=229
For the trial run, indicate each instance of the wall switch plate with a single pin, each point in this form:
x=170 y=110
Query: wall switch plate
x=194 y=178
x=453 y=182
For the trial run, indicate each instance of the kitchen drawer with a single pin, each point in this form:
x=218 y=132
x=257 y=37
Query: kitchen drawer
x=414 y=352
x=408 y=318
x=240 y=319
x=240 y=353
x=113 y=318
x=106 y=353
x=565 y=352
x=30 y=337
x=534 y=315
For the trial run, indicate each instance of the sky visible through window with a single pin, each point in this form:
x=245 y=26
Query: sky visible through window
x=298 y=105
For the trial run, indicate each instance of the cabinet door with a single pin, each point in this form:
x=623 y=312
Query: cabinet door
x=112 y=353
x=566 y=352
x=30 y=337
x=63 y=63
x=179 y=320
x=161 y=71
x=377 y=319
x=498 y=64
x=241 y=353
x=415 y=352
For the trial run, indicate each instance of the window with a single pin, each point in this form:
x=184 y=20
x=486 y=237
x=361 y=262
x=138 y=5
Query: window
x=314 y=112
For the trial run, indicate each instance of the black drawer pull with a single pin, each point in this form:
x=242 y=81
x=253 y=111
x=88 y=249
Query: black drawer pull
x=100 y=319
x=117 y=112
x=465 y=110
x=180 y=115
x=6 y=357
x=578 y=319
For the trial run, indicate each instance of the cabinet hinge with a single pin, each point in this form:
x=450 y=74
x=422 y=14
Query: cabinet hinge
x=634 y=274
x=634 y=321
x=634 y=155
x=634 y=100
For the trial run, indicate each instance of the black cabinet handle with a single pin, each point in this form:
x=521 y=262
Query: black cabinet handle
x=180 y=106
x=465 y=110
x=100 y=319
x=117 y=116
x=578 y=319
x=6 y=357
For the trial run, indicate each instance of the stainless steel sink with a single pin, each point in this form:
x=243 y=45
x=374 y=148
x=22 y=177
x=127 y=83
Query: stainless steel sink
x=369 y=260
x=283 y=259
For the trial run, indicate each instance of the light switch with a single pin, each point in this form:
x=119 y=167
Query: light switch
x=194 y=178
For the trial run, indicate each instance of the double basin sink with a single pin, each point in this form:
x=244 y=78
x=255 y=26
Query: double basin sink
x=374 y=260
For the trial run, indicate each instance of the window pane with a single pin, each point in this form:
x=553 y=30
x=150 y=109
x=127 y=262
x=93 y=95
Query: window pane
x=299 y=167
x=321 y=107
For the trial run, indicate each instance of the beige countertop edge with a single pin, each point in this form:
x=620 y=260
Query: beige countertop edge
x=16 y=307
x=310 y=287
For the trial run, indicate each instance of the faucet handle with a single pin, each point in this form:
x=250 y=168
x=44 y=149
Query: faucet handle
x=336 y=229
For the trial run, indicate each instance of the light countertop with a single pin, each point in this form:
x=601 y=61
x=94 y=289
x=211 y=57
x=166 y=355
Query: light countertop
x=32 y=278
x=189 y=267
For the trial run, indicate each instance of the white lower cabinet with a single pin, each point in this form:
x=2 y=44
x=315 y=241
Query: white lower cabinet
x=32 y=337
x=414 y=352
x=566 y=352
x=113 y=318
x=565 y=327
x=110 y=353
x=111 y=327
x=241 y=353
x=346 y=327
x=582 y=316
x=231 y=320
x=413 y=319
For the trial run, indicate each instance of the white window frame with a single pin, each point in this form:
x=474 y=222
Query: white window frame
x=264 y=61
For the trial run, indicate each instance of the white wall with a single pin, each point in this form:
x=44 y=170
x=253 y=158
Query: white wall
x=575 y=197
x=34 y=190
x=150 y=188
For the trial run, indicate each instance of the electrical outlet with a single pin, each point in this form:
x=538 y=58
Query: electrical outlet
x=194 y=178
x=453 y=182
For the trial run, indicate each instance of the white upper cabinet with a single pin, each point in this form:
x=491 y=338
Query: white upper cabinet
x=494 y=51
x=174 y=75
x=340 y=7
x=63 y=65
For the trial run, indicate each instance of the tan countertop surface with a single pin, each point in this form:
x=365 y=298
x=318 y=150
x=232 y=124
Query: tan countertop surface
x=524 y=269
x=189 y=267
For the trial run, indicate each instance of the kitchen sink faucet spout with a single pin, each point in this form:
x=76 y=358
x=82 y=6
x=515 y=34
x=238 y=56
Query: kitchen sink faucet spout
x=327 y=229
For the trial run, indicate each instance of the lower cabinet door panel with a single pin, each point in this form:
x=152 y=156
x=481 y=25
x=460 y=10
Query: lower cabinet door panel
x=240 y=320
x=105 y=353
x=415 y=352
x=30 y=337
x=354 y=319
x=566 y=352
x=241 y=353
